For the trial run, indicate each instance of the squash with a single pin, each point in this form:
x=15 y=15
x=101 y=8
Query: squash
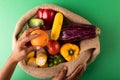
x=57 y=25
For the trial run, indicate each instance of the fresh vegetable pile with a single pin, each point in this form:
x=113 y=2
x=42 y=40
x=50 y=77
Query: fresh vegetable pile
x=59 y=39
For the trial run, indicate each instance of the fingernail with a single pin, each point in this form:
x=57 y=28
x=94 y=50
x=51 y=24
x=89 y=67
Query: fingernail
x=38 y=47
x=37 y=33
x=65 y=68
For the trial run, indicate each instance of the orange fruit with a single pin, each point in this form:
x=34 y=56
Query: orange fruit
x=41 y=40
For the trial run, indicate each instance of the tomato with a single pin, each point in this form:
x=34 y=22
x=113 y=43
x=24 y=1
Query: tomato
x=53 y=47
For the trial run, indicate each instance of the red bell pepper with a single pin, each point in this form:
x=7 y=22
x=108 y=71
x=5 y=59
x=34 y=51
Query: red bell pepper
x=48 y=16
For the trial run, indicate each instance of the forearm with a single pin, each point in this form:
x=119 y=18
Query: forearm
x=8 y=69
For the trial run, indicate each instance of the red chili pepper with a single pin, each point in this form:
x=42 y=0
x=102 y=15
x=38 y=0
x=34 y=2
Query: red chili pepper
x=48 y=16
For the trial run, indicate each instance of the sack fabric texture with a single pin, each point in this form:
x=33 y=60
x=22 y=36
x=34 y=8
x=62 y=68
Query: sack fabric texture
x=89 y=48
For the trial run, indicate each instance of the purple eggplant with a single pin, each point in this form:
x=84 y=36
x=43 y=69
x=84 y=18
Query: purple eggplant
x=77 y=32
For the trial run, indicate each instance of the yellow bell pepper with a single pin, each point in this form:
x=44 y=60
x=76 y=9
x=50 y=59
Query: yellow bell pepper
x=69 y=51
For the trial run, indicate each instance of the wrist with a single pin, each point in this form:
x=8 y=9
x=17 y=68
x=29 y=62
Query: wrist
x=13 y=59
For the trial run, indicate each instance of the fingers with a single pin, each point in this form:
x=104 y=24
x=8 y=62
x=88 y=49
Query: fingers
x=80 y=74
x=30 y=30
x=62 y=74
x=32 y=48
x=75 y=73
x=28 y=38
x=27 y=32
x=23 y=41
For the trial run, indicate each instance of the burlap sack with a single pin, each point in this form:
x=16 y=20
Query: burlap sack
x=90 y=48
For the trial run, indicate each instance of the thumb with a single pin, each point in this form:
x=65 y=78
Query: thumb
x=62 y=74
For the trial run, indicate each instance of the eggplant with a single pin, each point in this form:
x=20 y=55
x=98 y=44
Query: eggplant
x=77 y=32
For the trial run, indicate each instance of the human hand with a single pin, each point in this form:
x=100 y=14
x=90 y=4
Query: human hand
x=21 y=48
x=73 y=76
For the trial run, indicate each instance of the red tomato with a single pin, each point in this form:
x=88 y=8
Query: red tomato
x=53 y=47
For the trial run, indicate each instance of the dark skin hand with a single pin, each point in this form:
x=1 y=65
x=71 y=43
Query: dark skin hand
x=73 y=76
x=20 y=52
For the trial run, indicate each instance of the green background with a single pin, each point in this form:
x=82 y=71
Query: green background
x=103 y=13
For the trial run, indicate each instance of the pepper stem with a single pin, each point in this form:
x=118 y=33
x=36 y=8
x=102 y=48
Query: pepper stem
x=98 y=31
x=71 y=52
